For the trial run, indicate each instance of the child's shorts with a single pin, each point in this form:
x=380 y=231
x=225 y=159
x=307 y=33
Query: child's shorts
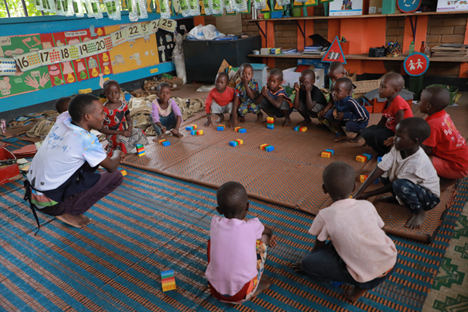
x=277 y=112
x=313 y=112
x=248 y=107
x=218 y=109
x=250 y=287
x=444 y=170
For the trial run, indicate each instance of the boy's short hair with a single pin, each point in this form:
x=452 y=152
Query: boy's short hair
x=232 y=198
x=396 y=79
x=347 y=82
x=243 y=66
x=163 y=85
x=438 y=97
x=416 y=128
x=339 y=178
x=108 y=83
x=276 y=72
x=334 y=66
x=223 y=74
x=61 y=103
x=308 y=72
x=81 y=104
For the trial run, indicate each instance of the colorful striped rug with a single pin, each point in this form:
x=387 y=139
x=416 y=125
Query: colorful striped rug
x=153 y=223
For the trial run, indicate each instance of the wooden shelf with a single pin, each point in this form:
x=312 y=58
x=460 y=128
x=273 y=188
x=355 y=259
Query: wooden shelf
x=362 y=57
x=286 y=19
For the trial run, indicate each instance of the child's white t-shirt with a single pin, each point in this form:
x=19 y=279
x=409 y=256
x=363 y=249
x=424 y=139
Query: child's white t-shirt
x=233 y=254
x=355 y=229
x=416 y=168
x=63 y=152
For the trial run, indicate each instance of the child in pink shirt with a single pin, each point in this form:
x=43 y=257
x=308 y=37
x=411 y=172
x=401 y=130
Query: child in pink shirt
x=219 y=100
x=165 y=113
x=359 y=252
x=237 y=249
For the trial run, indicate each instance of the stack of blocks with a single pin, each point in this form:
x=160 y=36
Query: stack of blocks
x=168 y=280
x=123 y=171
x=271 y=123
x=302 y=129
x=220 y=128
x=240 y=129
x=327 y=153
x=191 y=127
x=164 y=142
x=267 y=147
x=364 y=157
x=236 y=142
x=140 y=149
x=196 y=132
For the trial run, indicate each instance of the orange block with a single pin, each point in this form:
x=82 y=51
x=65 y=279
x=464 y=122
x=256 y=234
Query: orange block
x=326 y=154
x=263 y=146
x=270 y=120
x=363 y=177
x=361 y=158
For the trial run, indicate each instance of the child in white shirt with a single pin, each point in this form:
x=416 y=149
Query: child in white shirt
x=408 y=172
x=360 y=253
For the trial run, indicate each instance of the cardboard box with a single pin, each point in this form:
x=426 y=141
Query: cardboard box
x=451 y=5
x=375 y=6
x=290 y=76
x=345 y=7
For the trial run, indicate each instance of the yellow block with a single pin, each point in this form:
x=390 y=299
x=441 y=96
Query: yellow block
x=326 y=154
x=361 y=158
x=263 y=146
x=363 y=177
x=168 y=286
x=270 y=120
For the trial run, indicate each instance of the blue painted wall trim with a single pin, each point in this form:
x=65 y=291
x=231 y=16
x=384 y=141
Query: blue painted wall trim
x=48 y=24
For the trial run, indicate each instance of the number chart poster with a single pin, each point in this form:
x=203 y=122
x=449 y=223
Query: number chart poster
x=32 y=80
x=134 y=54
x=69 y=71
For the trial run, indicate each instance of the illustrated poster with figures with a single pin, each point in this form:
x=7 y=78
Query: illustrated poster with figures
x=166 y=40
x=35 y=79
x=416 y=64
x=134 y=54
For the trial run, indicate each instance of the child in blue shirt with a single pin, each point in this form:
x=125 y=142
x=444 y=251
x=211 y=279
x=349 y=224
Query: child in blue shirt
x=348 y=112
x=273 y=100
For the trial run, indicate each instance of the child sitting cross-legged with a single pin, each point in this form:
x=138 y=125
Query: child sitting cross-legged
x=273 y=100
x=237 y=248
x=118 y=125
x=165 y=113
x=445 y=146
x=348 y=112
x=407 y=172
x=219 y=100
x=309 y=100
x=245 y=95
x=359 y=252
x=380 y=136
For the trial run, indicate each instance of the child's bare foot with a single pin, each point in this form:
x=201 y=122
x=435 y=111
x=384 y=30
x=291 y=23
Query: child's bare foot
x=354 y=294
x=241 y=119
x=297 y=267
x=340 y=137
x=259 y=118
x=287 y=122
x=265 y=282
x=76 y=221
x=416 y=221
x=356 y=139
x=304 y=123
x=220 y=119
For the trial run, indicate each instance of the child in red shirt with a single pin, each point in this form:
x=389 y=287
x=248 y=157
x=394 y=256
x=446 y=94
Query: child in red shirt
x=219 y=100
x=445 y=146
x=380 y=136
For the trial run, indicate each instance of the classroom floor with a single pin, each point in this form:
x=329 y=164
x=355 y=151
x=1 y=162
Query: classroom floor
x=450 y=289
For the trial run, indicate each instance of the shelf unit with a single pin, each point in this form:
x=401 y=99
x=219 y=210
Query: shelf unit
x=362 y=57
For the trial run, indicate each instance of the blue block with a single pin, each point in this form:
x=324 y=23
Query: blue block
x=242 y=130
x=269 y=148
x=336 y=284
x=369 y=156
x=220 y=128
x=270 y=127
x=376 y=181
x=296 y=128
x=193 y=132
x=330 y=150
x=189 y=128
x=233 y=143
x=379 y=159
x=166 y=143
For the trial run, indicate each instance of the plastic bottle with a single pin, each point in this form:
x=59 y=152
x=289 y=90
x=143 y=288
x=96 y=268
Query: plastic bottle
x=411 y=47
x=423 y=47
